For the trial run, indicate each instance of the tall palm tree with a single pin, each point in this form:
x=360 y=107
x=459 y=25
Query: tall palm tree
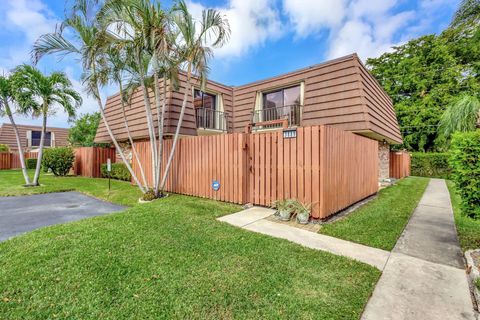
x=41 y=94
x=89 y=43
x=463 y=115
x=144 y=28
x=7 y=100
x=196 y=41
x=116 y=66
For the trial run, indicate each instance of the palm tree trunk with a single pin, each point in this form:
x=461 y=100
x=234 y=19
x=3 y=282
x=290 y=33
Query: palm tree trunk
x=40 y=151
x=114 y=140
x=150 y=124
x=177 y=131
x=130 y=139
x=161 y=123
x=19 y=144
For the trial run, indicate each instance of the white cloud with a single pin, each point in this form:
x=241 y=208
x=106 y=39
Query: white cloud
x=312 y=15
x=30 y=18
x=252 y=22
x=368 y=27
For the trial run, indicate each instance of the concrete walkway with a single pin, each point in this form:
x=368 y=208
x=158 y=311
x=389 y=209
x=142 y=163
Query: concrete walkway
x=253 y=219
x=424 y=277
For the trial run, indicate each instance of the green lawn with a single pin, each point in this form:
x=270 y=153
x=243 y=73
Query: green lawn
x=380 y=222
x=169 y=259
x=11 y=184
x=468 y=230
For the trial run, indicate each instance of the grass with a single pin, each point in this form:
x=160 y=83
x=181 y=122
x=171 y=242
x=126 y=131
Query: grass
x=380 y=222
x=468 y=229
x=170 y=259
x=11 y=184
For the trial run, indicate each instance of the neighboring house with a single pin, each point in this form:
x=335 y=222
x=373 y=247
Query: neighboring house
x=30 y=137
x=340 y=93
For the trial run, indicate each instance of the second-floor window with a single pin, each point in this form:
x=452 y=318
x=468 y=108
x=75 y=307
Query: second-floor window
x=36 y=135
x=280 y=98
x=204 y=100
x=284 y=103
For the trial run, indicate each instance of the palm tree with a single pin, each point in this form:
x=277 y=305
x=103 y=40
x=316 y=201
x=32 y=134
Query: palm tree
x=89 y=44
x=196 y=42
x=40 y=94
x=463 y=115
x=144 y=28
x=6 y=100
x=116 y=65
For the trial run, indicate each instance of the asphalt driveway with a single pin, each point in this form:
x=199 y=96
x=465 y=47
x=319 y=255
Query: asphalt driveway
x=26 y=213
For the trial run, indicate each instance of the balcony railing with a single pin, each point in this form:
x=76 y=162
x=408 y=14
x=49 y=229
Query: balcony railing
x=211 y=119
x=292 y=114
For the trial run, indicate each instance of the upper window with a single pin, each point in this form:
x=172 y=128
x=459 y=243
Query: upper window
x=204 y=100
x=36 y=137
x=282 y=98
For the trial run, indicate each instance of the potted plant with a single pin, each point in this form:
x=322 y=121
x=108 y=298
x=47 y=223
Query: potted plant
x=285 y=208
x=302 y=211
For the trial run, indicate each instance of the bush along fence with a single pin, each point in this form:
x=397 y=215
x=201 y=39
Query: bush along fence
x=324 y=166
x=399 y=164
x=119 y=171
x=86 y=160
x=432 y=165
x=465 y=161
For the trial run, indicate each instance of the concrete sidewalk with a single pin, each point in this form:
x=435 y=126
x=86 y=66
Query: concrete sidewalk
x=424 y=277
x=253 y=219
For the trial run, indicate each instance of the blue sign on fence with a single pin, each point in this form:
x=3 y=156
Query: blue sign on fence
x=215 y=185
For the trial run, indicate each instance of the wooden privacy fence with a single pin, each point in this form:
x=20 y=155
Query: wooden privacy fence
x=15 y=164
x=5 y=160
x=324 y=166
x=88 y=160
x=11 y=160
x=399 y=164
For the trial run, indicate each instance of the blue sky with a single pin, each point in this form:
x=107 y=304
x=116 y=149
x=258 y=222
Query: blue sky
x=269 y=37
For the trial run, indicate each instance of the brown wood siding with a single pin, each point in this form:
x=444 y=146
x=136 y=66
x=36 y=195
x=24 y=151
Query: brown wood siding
x=341 y=93
x=7 y=135
x=381 y=113
x=136 y=115
x=332 y=95
x=323 y=166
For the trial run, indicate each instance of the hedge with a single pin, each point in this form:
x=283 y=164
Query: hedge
x=119 y=171
x=465 y=161
x=431 y=164
x=31 y=163
x=4 y=148
x=59 y=160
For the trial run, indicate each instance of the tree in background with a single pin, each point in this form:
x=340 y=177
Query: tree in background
x=40 y=95
x=7 y=101
x=84 y=129
x=428 y=74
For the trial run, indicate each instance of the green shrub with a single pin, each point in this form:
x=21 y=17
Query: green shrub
x=31 y=163
x=4 y=148
x=119 y=171
x=432 y=165
x=58 y=160
x=465 y=161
